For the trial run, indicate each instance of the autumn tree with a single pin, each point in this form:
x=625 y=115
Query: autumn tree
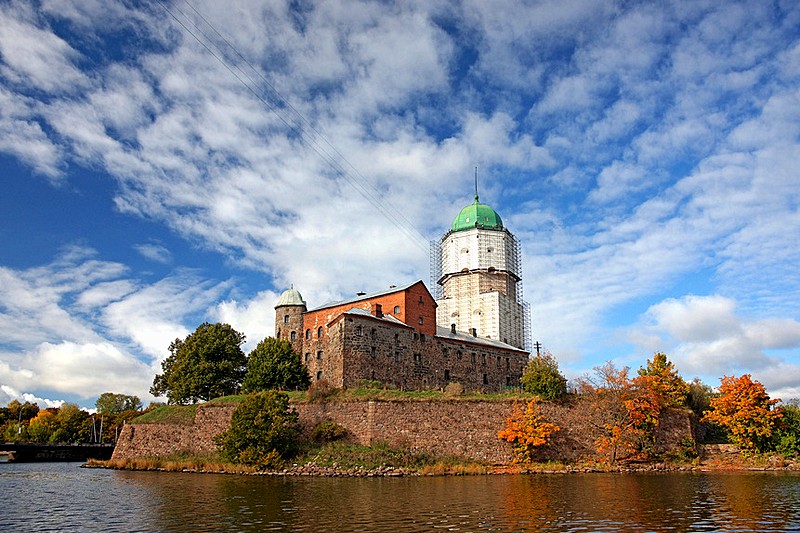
x=263 y=431
x=527 y=431
x=206 y=364
x=746 y=411
x=623 y=412
x=662 y=378
x=274 y=364
x=542 y=377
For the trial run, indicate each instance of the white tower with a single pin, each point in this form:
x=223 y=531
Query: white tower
x=479 y=268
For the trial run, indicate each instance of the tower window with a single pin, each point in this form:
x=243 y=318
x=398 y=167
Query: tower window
x=308 y=357
x=319 y=375
x=358 y=331
x=285 y=319
x=308 y=333
x=293 y=336
x=319 y=355
x=319 y=332
x=420 y=321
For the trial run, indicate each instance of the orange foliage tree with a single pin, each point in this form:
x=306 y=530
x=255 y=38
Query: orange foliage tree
x=661 y=377
x=527 y=431
x=623 y=411
x=746 y=411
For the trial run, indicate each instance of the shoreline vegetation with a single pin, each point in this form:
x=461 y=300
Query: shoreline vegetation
x=427 y=466
x=343 y=459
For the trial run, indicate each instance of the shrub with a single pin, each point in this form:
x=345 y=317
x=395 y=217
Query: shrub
x=263 y=431
x=320 y=391
x=541 y=377
x=527 y=431
x=454 y=389
x=328 y=431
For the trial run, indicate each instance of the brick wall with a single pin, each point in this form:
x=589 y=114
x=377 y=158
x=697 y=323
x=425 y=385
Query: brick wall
x=467 y=428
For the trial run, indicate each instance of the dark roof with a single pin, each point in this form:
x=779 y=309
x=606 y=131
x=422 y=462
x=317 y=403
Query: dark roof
x=363 y=297
x=446 y=333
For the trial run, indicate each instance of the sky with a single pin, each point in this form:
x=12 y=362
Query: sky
x=166 y=163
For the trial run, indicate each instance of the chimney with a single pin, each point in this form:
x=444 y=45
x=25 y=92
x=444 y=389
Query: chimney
x=377 y=310
x=474 y=332
x=452 y=328
x=361 y=293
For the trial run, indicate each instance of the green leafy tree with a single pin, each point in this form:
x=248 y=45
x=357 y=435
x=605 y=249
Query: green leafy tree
x=72 y=424
x=263 y=431
x=662 y=378
x=787 y=438
x=109 y=403
x=541 y=377
x=273 y=364
x=206 y=364
x=744 y=408
x=699 y=397
x=42 y=426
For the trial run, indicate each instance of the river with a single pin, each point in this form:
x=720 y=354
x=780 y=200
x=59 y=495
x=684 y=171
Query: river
x=65 y=497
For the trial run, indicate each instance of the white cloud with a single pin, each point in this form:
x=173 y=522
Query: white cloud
x=83 y=369
x=155 y=252
x=707 y=336
x=254 y=317
x=7 y=394
x=36 y=55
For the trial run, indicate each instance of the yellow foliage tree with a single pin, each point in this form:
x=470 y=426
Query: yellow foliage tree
x=661 y=377
x=527 y=431
x=746 y=411
x=623 y=411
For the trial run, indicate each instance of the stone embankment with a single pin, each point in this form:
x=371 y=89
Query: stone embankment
x=448 y=427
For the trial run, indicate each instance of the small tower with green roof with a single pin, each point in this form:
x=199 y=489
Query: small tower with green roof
x=479 y=267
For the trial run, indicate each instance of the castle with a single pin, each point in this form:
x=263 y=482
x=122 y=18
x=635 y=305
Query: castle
x=475 y=333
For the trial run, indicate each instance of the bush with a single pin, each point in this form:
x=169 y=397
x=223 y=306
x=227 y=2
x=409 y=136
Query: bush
x=541 y=377
x=454 y=389
x=328 y=431
x=320 y=391
x=263 y=431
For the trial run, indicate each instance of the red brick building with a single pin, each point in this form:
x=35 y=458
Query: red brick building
x=392 y=337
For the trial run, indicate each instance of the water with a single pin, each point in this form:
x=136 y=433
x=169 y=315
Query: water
x=64 y=497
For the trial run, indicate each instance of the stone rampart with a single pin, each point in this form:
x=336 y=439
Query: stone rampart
x=467 y=428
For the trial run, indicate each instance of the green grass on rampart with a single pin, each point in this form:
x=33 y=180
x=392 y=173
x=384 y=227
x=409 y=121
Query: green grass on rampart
x=184 y=414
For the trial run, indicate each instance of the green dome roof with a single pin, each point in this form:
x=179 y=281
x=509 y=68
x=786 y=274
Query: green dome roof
x=477 y=215
x=290 y=296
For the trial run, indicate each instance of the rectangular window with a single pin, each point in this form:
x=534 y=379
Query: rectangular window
x=319 y=355
x=418 y=358
x=373 y=351
x=446 y=374
x=485 y=379
x=358 y=331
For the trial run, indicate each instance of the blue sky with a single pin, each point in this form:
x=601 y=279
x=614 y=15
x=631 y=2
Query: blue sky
x=165 y=164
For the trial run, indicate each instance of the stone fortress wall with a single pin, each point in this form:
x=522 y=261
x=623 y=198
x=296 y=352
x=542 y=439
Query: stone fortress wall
x=463 y=427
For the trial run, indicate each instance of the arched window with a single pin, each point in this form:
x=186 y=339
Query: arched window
x=396 y=309
x=358 y=331
x=293 y=336
x=308 y=333
x=319 y=332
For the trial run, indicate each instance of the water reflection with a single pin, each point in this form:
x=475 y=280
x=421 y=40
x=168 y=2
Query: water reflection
x=73 y=499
